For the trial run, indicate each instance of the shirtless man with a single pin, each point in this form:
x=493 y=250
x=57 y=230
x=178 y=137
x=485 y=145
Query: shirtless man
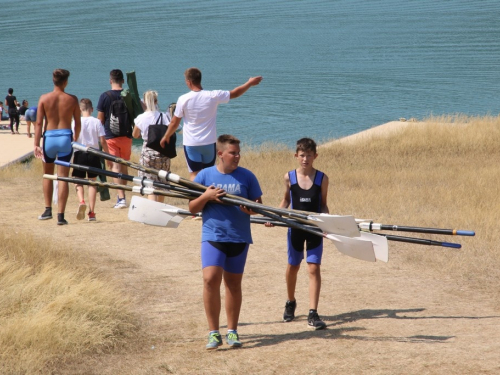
x=57 y=109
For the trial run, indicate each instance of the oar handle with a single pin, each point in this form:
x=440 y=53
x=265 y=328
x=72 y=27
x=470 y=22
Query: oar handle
x=94 y=170
x=143 y=190
x=400 y=228
x=420 y=241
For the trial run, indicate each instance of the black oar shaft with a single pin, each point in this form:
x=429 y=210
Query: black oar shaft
x=401 y=228
x=420 y=241
x=136 y=189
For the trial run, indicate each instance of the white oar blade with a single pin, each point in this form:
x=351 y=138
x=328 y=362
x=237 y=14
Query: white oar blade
x=150 y=212
x=379 y=245
x=337 y=224
x=354 y=247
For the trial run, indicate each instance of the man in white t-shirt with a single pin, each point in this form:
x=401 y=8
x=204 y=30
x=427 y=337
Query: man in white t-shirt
x=198 y=110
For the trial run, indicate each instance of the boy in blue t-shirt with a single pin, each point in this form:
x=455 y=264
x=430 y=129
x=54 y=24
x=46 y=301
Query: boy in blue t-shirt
x=226 y=236
x=306 y=189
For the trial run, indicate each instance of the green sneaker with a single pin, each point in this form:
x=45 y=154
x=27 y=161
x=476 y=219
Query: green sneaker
x=214 y=340
x=233 y=340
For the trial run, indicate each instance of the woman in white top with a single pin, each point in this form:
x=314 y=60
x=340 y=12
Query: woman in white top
x=149 y=157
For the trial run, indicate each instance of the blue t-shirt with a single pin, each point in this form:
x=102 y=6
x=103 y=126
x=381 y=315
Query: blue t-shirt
x=225 y=223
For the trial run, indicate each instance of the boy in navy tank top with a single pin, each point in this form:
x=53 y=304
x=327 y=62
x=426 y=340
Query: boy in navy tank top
x=306 y=190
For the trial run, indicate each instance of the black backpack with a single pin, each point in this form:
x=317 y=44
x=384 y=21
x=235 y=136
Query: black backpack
x=119 y=119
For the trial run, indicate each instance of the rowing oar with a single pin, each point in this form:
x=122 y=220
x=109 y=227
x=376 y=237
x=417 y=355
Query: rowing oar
x=149 y=212
x=336 y=224
x=345 y=225
x=263 y=220
x=135 y=189
x=355 y=247
x=377 y=226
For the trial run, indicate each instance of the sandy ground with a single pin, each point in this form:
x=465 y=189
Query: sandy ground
x=15 y=147
x=382 y=318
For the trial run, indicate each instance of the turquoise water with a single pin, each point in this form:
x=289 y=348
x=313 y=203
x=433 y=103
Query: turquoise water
x=331 y=68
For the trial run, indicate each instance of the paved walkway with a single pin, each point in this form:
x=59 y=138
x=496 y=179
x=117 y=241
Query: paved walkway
x=15 y=148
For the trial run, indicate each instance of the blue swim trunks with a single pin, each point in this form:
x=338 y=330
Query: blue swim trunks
x=296 y=241
x=230 y=256
x=57 y=144
x=30 y=114
x=200 y=157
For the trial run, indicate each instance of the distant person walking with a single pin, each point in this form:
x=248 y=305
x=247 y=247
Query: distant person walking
x=12 y=103
x=91 y=135
x=30 y=117
x=198 y=110
x=57 y=109
x=149 y=157
x=23 y=109
x=119 y=145
x=3 y=116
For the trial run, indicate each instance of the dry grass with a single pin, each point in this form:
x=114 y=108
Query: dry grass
x=443 y=172
x=55 y=308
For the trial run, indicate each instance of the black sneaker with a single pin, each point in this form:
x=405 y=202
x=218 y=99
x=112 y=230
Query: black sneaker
x=289 y=313
x=315 y=321
x=61 y=220
x=47 y=214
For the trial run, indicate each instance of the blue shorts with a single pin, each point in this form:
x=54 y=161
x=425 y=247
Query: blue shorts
x=30 y=115
x=230 y=256
x=57 y=144
x=200 y=157
x=314 y=247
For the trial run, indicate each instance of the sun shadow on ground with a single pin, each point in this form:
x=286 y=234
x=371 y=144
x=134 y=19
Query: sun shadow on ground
x=389 y=314
x=334 y=331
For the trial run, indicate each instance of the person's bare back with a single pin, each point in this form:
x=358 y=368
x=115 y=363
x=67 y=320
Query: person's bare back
x=59 y=109
x=56 y=110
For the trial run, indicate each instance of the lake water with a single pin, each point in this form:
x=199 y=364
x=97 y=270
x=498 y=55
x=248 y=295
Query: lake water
x=331 y=68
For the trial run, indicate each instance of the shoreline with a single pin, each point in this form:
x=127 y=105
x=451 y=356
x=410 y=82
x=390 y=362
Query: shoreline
x=17 y=148
x=386 y=129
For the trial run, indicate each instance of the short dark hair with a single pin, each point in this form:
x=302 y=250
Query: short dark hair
x=85 y=104
x=306 y=144
x=11 y=91
x=59 y=76
x=193 y=75
x=25 y=102
x=226 y=139
x=116 y=75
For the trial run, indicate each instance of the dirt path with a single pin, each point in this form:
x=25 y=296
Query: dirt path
x=382 y=318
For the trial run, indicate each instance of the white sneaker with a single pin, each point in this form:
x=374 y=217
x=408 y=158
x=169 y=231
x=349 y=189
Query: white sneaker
x=121 y=203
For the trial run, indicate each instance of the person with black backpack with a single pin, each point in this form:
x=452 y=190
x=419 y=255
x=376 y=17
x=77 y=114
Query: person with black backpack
x=113 y=114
